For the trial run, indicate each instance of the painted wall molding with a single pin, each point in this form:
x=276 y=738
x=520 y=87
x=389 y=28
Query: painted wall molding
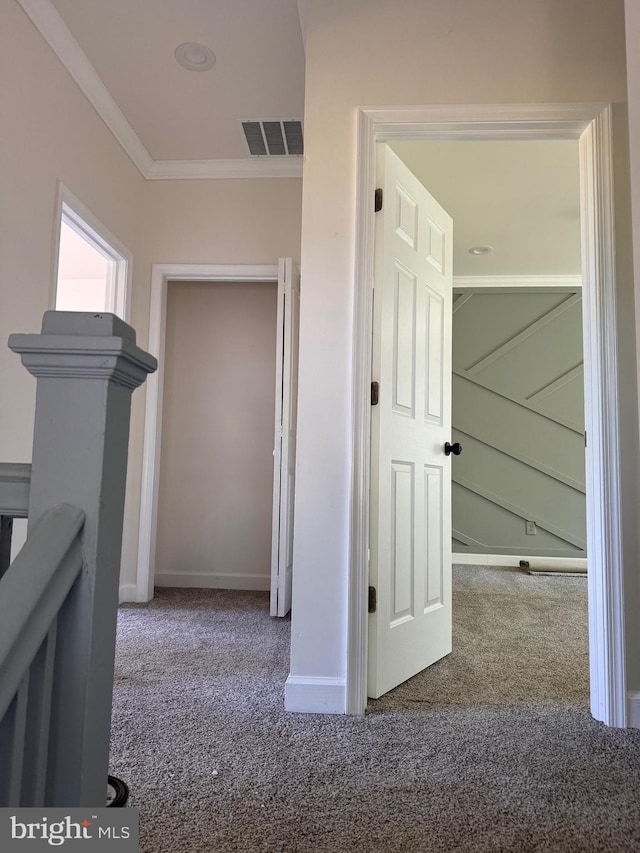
x=48 y=22
x=204 y=580
x=126 y=593
x=52 y=27
x=195 y=170
x=634 y=709
x=324 y=695
x=502 y=282
x=535 y=561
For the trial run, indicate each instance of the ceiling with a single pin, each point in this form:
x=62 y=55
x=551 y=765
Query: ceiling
x=186 y=115
x=521 y=198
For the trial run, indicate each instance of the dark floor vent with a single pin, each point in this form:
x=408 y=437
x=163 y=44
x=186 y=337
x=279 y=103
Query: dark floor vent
x=274 y=138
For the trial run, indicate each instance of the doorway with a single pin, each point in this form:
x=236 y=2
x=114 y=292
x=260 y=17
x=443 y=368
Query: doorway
x=216 y=469
x=591 y=125
x=284 y=391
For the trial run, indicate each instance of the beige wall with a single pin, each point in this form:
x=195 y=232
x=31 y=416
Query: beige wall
x=379 y=52
x=201 y=222
x=216 y=473
x=49 y=133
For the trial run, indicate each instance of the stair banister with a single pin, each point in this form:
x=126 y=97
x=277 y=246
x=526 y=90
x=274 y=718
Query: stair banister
x=86 y=366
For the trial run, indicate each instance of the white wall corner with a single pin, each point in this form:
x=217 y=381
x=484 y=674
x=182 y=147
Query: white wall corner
x=633 y=717
x=309 y=694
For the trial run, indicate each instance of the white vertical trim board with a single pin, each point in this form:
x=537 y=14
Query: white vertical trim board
x=161 y=275
x=591 y=124
x=323 y=695
x=602 y=457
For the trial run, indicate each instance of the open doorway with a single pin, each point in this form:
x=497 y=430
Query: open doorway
x=282 y=393
x=591 y=125
x=517 y=405
x=518 y=402
x=216 y=470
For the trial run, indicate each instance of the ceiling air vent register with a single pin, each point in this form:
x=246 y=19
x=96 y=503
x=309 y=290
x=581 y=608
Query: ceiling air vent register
x=273 y=138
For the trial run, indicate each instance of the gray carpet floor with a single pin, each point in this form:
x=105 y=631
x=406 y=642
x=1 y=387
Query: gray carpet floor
x=491 y=749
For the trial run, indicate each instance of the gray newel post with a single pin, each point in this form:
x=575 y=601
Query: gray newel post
x=87 y=366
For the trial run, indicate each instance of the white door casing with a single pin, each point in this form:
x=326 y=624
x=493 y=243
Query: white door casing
x=591 y=124
x=284 y=454
x=161 y=275
x=410 y=505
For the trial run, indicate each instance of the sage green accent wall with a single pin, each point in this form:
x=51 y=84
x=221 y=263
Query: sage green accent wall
x=518 y=411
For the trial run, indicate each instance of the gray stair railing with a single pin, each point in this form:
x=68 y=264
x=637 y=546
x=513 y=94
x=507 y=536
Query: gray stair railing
x=15 y=478
x=59 y=598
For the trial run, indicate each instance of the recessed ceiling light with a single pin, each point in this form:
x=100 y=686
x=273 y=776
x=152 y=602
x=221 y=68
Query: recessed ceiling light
x=194 y=56
x=480 y=250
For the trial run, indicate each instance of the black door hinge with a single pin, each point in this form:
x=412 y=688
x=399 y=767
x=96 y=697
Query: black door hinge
x=378 y=200
x=375 y=393
x=373 y=599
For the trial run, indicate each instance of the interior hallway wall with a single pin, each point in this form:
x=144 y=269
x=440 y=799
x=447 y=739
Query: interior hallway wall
x=216 y=472
x=430 y=52
x=50 y=133
x=236 y=221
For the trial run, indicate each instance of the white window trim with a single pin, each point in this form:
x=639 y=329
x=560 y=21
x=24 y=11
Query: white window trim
x=76 y=215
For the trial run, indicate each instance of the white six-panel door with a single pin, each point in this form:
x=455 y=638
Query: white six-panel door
x=284 y=454
x=410 y=516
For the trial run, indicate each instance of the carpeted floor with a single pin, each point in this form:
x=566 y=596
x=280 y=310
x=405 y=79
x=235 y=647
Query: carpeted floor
x=492 y=749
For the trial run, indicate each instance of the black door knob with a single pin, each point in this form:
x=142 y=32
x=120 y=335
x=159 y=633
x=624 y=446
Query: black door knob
x=456 y=449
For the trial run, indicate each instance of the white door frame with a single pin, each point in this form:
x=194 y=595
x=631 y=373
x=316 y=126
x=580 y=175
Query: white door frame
x=161 y=275
x=591 y=125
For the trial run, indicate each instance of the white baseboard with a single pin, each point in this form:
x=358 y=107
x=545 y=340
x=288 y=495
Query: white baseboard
x=204 y=580
x=633 y=717
x=128 y=593
x=563 y=563
x=310 y=694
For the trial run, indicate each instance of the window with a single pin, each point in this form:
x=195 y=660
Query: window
x=92 y=267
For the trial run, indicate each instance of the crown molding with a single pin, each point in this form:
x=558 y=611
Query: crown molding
x=516 y=281
x=46 y=19
x=263 y=167
x=51 y=26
